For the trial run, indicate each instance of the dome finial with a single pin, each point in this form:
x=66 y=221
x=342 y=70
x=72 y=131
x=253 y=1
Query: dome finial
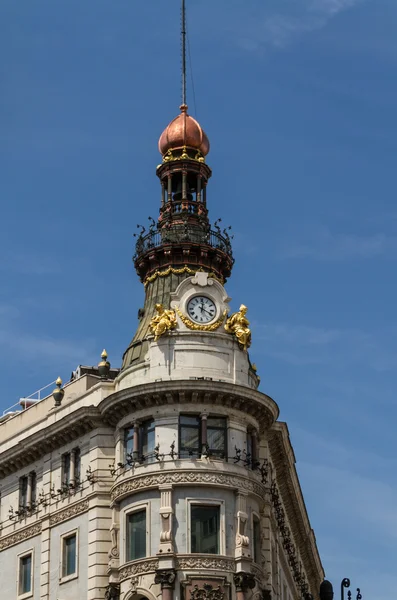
x=183 y=37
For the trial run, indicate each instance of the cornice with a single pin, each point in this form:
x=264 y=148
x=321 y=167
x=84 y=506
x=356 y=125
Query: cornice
x=249 y=401
x=288 y=483
x=33 y=447
x=137 y=483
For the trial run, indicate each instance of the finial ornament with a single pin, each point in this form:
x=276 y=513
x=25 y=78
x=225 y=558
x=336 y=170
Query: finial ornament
x=104 y=366
x=163 y=321
x=58 y=393
x=237 y=325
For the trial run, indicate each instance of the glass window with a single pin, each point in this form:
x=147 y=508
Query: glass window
x=128 y=442
x=216 y=436
x=147 y=440
x=189 y=436
x=204 y=523
x=77 y=466
x=69 y=555
x=136 y=535
x=33 y=483
x=66 y=469
x=25 y=575
x=256 y=540
x=23 y=491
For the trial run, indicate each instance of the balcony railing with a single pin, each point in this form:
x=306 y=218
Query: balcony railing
x=179 y=234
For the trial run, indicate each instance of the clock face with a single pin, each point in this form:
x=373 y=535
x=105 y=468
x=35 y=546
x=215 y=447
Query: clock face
x=201 y=309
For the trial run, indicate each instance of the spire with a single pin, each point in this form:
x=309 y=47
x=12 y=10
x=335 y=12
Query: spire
x=183 y=41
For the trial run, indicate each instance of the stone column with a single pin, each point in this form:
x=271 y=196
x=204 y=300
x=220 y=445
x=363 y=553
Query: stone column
x=166 y=578
x=162 y=193
x=29 y=491
x=72 y=466
x=243 y=582
x=169 y=188
x=198 y=197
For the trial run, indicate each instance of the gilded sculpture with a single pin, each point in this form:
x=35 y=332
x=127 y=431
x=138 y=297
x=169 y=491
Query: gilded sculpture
x=237 y=325
x=163 y=321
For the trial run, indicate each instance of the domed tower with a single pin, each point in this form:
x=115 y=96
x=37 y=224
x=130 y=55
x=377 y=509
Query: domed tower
x=182 y=242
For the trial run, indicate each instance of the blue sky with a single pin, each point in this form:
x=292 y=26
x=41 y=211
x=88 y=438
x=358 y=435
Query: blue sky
x=298 y=98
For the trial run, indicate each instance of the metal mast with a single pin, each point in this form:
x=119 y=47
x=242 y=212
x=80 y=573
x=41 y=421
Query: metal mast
x=183 y=37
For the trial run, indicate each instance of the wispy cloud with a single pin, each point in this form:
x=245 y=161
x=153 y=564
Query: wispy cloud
x=326 y=246
x=278 y=24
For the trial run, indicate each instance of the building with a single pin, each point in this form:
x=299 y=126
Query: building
x=170 y=477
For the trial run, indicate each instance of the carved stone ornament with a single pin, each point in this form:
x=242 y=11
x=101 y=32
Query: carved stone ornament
x=134 y=584
x=207 y=592
x=219 y=564
x=244 y=581
x=69 y=512
x=166 y=578
x=153 y=481
x=266 y=595
x=112 y=591
x=140 y=567
x=20 y=536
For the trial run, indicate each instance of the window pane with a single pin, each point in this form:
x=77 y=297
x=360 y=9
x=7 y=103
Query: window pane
x=189 y=441
x=256 y=534
x=148 y=440
x=25 y=574
x=66 y=469
x=205 y=529
x=216 y=441
x=23 y=491
x=189 y=420
x=77 y=465
x=128 y=441
x=136 y=535
x=216 y=422
x=69 y=556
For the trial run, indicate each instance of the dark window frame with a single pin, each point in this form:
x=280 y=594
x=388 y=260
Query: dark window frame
x=129 y=554
x=22 y=575
x=197 y=542
x=188 y=426
x=221 y=455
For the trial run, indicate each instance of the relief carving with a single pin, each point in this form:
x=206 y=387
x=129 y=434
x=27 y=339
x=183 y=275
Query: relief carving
x=68 y=513
x=155 y=480
x=20 y=536
x=139 y=568
x=207 y=592
x=190 y=562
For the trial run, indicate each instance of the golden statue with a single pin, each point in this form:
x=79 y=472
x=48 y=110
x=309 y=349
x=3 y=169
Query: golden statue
x=237 y=324
x=164 y=321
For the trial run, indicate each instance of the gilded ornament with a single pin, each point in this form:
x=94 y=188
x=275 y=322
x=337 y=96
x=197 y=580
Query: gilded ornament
x=163 y=321
x=180 y=271
x=237 y=325
x=196 y=326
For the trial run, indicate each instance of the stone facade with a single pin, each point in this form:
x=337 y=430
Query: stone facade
x=262 y=531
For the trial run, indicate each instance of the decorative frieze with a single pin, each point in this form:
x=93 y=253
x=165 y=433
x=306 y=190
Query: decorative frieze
x=145 y=482
x=139 y=568
x=207 y=592
x=199 y=562
x=20 y=536
x=69 y=512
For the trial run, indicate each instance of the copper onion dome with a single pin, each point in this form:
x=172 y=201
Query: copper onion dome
x=184 y=132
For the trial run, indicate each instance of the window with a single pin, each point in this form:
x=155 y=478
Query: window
x=128 y=442
x=189 y=436
x=256 y=539
x=205 y=529
x=27 y=490
x=146 y=433
x=136 y=535
x=216 y=436
x=69 y=555
x=25 y=575
x=23 y=491
x=71 y=468
x=147 y=441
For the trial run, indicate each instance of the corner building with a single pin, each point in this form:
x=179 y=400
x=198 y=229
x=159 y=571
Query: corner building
x=171 y=477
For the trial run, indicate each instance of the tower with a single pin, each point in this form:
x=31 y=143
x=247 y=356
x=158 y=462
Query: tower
x=170 y=477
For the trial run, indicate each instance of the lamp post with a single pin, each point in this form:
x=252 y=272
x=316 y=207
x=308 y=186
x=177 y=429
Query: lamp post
x=327 y=592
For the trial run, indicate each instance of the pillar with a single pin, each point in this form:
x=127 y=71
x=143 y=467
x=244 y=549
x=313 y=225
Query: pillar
x=243 y=582
x=169 y=188
x=162 y=193
x=204 y=438
x=198 y=188
x=166 y=578
x=72 y=466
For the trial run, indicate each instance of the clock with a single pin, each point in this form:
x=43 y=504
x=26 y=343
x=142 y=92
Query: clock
x=201 y=309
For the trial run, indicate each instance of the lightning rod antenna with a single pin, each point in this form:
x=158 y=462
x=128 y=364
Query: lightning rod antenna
x=183 y=36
